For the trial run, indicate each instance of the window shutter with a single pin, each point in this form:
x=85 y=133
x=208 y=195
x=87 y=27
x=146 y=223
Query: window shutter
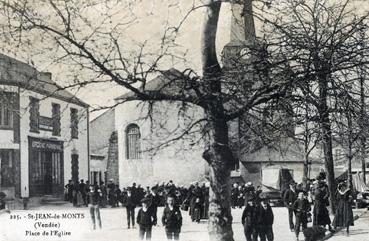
x=74 y=123
x=56 y=119
x=34 y=111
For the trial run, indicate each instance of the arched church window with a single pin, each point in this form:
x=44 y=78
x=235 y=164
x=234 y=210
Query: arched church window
x=133 y=142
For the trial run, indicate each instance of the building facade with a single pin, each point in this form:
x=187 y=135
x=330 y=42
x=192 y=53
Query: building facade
x=43 y=130
x=139 y=145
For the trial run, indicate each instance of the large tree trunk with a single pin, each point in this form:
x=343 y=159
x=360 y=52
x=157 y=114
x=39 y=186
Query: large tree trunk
x=218 y=153
x=326 y=132
x=220 y=159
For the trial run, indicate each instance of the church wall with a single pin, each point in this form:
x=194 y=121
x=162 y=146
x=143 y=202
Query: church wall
x=180 y=161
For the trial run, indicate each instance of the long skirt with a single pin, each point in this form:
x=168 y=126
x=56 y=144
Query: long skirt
x=344 y=216
x=321 y=214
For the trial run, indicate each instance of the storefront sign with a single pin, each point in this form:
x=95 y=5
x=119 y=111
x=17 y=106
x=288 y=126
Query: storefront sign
x=46 y=123
x=46 y=144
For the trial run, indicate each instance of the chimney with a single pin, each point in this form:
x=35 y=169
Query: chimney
x=44 y=76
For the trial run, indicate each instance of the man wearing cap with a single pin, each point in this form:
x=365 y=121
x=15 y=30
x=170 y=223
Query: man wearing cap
x=289 y=199
x=172 y=219
x=302 y=209
x=129 y=203
x=145 y=220
x=264 y=221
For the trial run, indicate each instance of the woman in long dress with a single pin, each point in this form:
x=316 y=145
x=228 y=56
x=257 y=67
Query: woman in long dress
x=344 y=216
x=321 y=213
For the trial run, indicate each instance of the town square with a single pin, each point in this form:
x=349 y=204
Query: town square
x=192 y=120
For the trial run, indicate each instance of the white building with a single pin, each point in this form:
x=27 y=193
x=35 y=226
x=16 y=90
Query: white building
x=43 y=133
x=138 y=146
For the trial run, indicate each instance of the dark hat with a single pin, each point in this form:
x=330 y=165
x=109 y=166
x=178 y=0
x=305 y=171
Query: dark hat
x=263 y=199
x=145 y=200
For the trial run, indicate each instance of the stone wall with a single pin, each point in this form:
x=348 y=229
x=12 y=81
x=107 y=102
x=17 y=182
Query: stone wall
x=113 y=164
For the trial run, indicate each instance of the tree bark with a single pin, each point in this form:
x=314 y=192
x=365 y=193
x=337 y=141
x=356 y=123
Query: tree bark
x=326 y=132
x=220 y=159
x=218 y=153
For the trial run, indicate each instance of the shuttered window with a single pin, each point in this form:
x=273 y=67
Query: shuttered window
x=6 y=110
x=133 y=140
x=74 y=123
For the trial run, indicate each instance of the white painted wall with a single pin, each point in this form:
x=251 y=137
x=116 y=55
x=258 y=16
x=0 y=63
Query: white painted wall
x=179 y=162
x=78 y=146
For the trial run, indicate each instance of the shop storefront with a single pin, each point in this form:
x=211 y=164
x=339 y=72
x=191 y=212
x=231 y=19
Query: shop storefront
x=46 y=167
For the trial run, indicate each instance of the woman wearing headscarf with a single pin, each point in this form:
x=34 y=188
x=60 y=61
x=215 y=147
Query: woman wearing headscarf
x=344 y=216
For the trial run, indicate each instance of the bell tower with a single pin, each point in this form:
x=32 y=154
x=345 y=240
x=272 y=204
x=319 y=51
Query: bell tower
x=242 y=32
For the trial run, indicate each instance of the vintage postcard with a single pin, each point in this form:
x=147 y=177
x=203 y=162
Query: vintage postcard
x=192 y=120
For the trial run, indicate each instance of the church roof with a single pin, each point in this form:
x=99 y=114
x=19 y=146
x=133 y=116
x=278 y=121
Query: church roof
x=16 y=73
x=170 y=81
x=288 y=151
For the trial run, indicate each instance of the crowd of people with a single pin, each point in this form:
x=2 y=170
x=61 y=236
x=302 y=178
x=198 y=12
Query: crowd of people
x=298 y=201
x=257 y=216
x=194 y=200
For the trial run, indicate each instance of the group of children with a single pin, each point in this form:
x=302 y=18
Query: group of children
x=171 y=219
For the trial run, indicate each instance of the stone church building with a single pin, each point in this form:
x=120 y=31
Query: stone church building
x=136 y=141
x=128 y=145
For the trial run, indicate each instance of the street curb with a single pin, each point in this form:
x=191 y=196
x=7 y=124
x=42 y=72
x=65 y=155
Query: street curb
x=356 y=217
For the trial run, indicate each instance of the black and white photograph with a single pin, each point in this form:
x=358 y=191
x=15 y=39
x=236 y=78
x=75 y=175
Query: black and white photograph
x=190 y=120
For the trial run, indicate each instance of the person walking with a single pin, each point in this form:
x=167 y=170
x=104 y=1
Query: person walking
x=154 y=202
x=302 y=208
x=344 y=216
x=82 y=188
x=145 y=220
x=172 y=219
x=94 y=200
x=248 y=220
x=320 y=211
x=264 y=220
x=289 y=199
x=130 y=204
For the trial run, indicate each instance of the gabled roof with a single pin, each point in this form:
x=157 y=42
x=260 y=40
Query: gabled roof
x=16 y=73
x=170 y=81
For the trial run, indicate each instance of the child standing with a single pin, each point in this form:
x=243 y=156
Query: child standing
x=145 y=219
x=301 y=207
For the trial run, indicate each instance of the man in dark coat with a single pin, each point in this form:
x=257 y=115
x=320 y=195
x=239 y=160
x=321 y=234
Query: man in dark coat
x=154 y=202
x=248 y=220
x=69 y=188
x=195 y=194
x=289 y=199
x=302 y=208
x=130 y=204
x=264 y=221
x=82 y=189
x=145 y=220
x=234 y=195
x=172 y=219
